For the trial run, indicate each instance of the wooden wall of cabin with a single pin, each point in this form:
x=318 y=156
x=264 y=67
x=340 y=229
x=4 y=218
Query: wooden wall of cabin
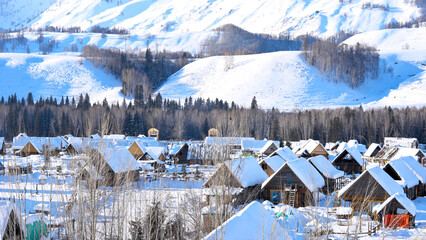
x=349 y=166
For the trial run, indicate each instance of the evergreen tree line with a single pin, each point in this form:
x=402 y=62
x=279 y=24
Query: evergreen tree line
x=415 y=23
x=343 y=63
x=146 y=69
x=192 y=118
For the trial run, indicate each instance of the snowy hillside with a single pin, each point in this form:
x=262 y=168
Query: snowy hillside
x=56 y=75
x=282 y=80
x=319 y=17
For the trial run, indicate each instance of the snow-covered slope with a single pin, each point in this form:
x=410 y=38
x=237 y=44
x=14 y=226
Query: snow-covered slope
x=319 y=17
x=56 y=75
x=282 y=80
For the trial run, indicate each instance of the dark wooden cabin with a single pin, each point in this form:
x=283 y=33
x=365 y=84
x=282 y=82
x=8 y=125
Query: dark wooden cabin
x=349 y=161
x=13 y=229
x=294 y=184
x=179 y=153
x=396 y=211
x=399 y=171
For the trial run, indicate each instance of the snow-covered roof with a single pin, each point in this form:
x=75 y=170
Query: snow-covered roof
x=285 y=153
x=95 y=136
x=381 y=177
x=115 y=136
x=30 y=219
x=353 y=151
x=247 y=171
x=155 y=153
x=342 y=146
x=120 y=159
x=354 y=143
x=226 y=140
x=407 y=176
x=175 y=148
x=6 y=208
x=400 y=142
x=76 y=143
x=331 y=145
x=309 y=147
x=402 y=199
x=274 y=162
x=371 y=149
x=258 y=146
x=416 y=168
x=255 y=221
x=405 y=152
x=325 y=167
x=310 y=177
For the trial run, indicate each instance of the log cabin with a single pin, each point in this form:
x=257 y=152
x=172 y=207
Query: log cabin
x=285 y=153
x=420 y=173
x=11 y=226
x=369 y=189
x=402 y=174
x=349 y=161
x=296 y=183
x=179 y=153
x=271 y=164
x=311 y=148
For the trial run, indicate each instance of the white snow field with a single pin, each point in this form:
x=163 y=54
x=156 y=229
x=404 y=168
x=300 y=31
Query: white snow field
x=318 y=17
x=282 y=80
x=56 y=75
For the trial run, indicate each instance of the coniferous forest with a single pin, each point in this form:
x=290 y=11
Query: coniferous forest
x=191 y=119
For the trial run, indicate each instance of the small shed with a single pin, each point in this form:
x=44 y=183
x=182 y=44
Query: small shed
x=295 y=183
x=397 y=211
x=332 y=176
x=349 y=161
x=30 y=148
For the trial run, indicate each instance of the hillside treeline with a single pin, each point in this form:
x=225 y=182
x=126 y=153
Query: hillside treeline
x=233 y=40
x=146 y=69
x=343 y=63
x=191 y=119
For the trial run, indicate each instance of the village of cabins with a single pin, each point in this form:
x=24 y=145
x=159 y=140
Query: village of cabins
x=379 y=181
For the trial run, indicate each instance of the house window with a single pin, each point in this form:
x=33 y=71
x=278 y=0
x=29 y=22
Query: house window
x=276 y=196
x=264 y=167
x=289 y=178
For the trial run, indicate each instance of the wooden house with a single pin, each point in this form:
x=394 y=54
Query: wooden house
x=401 y=142
x=402 y=174
x=349 y=161
x=361 y=147
x=420 y=173
x=237 y=173
x=115 y=165
x=372 y=150
x=387 y=154
x=75 y=146
x=396 y=211
x=296 y=184
x=370 y=189
x=311 y=148
x=259 y=147
x=332 y=176
x=137 y=149
x=11 y=226
x=179 y=153
x=271 y=164
x=30 y=148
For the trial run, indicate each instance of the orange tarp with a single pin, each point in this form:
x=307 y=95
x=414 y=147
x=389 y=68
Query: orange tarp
x=398 y=220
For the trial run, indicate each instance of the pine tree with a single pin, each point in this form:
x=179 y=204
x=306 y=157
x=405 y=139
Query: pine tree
x=254 y=103
x=30 y=99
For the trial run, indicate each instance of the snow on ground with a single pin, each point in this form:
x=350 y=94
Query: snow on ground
x=319 y=17
x=282 y=80
x=56 y=75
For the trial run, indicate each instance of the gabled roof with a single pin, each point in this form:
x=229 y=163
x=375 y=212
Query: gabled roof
x=76 y=143
x=354 y=143
x=309 y=147
x=405 y=152
x=310 y=177
x=115 y=136
x=342 y=146
x=285 y=153
x=120 y=159
x=258 y=146
x=408 y=178
x=6 y=207
x=274 y=162
x=325 y=167
x=371 y=149
x=381 y=177
x=155 y=153
x=353 y=151
x=416 y=168
x=402 y=199
x=246 y=171
x=176 y=148
x=226 y=140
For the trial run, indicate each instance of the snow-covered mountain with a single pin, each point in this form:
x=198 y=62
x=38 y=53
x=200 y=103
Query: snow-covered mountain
x=282 y=79
x=318 y=17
